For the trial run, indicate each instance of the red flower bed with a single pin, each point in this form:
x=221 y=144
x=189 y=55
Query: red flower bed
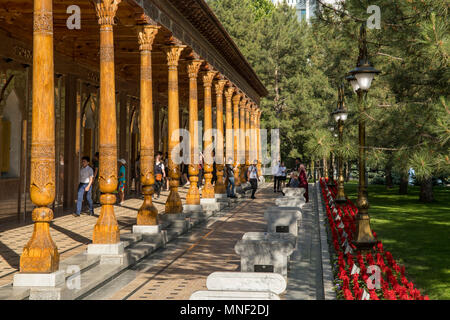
x=355 y=272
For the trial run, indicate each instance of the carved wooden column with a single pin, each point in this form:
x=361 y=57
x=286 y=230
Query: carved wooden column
x=40 y=255
x=229 y=123
x=237 y=139
x=252 y=138
x=147 y=214
x=106 y=230
x=173 y=203
x=220 y=185
x=193 y=194
x=242 y=142
x=258 y=140
x=208 y=190
x=247 y=136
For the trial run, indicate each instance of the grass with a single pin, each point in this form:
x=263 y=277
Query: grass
x=417 y=234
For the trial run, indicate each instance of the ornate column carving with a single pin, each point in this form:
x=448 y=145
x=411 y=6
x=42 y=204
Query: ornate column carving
x=193 y=194
x=237 y=139
x=229 y=123
x=247 y=136
x=252 y=144
x=147 y=214
x=106 y=230
x=242 y=142
x=40 y=255
x=258 y=140
x=208 y=190
x=220 y=185
x=173 y=203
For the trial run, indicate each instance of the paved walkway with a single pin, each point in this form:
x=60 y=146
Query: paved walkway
x=70 y=234
x=180 y=269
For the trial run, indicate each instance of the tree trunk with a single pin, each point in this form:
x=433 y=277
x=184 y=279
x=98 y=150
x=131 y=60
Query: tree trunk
x=426 y=190
x=403 y=184
x=347 y=171
x=389 y=183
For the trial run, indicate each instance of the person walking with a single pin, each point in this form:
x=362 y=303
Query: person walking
x=252 y=177
x=304 y=181
x=122 y=181
x=275 y=175
x=229 y=171
x=159 y=174
x=86 y=180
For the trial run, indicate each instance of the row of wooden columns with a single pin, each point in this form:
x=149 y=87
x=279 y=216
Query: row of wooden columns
x=40 y=255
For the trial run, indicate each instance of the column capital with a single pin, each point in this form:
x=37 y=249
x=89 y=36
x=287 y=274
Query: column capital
x=193 y=68
x=220 y=85
x=229 y=93
x=237 y=97
x=208 y=78
x=173 y=53
x=106 y=11
x=243 y=103
x=146 y=36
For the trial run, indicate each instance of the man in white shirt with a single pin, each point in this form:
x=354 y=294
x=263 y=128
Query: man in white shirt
x=252 y=175
x=86 y=179
x=275 y=170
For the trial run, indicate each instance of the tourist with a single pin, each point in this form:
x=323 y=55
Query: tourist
x=294 y=182
x=95 y=186
x=281 y=177
x=160 y=174
x=252 y=177
x=86 y=180
x=275 y=175
x=122 y=181
x=229 y=171
x=304 y=181
x=214 y=170
x=200 y=171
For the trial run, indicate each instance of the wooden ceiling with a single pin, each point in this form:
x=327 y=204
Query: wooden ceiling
x=82 y=46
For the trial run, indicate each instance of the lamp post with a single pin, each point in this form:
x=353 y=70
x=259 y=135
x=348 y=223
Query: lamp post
x=330 y=164
x=340 y=115
x=364 y=74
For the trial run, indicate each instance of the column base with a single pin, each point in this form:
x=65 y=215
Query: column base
x=192 y=208
x=106 y=249
x=208 y=201
x=53 y=279
x=147 y=229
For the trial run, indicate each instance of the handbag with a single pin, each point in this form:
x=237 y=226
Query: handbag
x=158 y=177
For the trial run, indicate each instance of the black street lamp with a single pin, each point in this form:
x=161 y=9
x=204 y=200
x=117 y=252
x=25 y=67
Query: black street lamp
x=340 y=115
x=364 y=74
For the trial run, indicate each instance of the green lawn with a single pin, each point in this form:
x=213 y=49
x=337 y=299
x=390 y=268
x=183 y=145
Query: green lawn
x=417 y=234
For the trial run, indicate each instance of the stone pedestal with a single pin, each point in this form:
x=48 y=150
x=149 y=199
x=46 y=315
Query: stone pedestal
x=221 y=196
x=210 y=204
x=262 y=251
x=280 y=220
x=39 y=279
x=147 y=229
x=246 y=281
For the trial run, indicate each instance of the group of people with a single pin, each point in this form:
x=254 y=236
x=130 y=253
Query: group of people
x=298 y=177
x=89 y=185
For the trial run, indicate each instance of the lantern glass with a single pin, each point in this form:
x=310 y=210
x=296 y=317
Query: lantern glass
x=364 y=80
x=355 y=85
x=344 y=116
x=337 y=116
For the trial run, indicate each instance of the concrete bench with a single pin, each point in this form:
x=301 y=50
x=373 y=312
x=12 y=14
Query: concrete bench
x=283 y=219
x=234 y=295
x=294 y=192
x=246 y=281
x=290 y=202
x=265 y=252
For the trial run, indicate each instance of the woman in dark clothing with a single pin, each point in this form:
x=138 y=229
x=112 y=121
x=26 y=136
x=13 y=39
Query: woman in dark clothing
x=303 y=181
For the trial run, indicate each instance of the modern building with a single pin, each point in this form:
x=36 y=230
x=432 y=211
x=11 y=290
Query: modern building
x=306 y=9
